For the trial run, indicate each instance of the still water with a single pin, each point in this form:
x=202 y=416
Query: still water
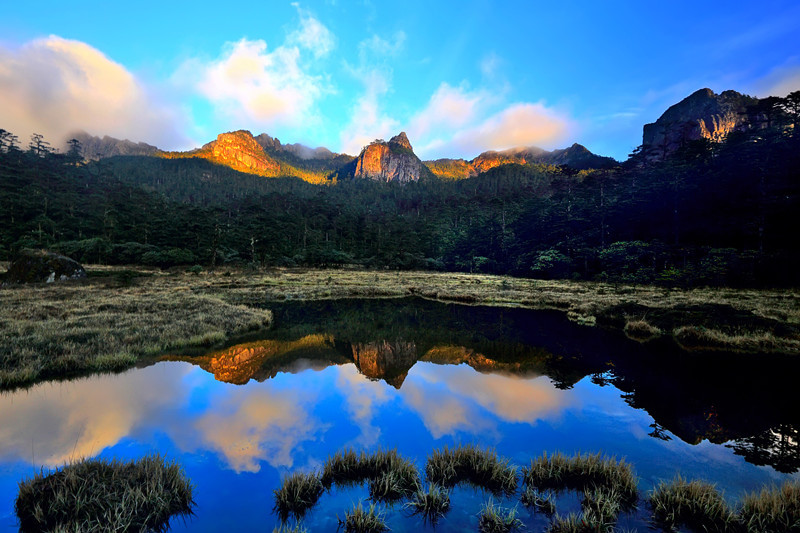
x=412 y=375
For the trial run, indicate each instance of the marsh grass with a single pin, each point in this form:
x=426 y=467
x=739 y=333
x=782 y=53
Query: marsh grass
x=470 y=464
x=590 y=474
x=72 y=329
x=772 y=510
x=298 y=493
x=640 y=330
x=391 y=477
x=100 y=495
x=695 y=504
x=360 y=520
x=496 y=519
x=540 y=502
x=431 y=504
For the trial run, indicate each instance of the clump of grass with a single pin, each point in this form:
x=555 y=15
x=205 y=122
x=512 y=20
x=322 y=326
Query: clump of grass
x=601 y=507
x=772 y=510
x=481 y=468
x=431 y=504
x=360 y=520
x=390 y=476
x=641 y=330
x=100 y=495
x=693 y=504
x=572 y=523
x=496 y=519
x=539 y=502
x=298 y=493
x=583 y=473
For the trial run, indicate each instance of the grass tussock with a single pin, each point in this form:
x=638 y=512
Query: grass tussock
x=298 y=493
x=640 y=330
x=99 y=495
x=431 y=504
x=772 y=510
x=470 y=464
x=585 y=473
x=696 y=505
x=71 y=329
x=391 y=477
x=496 y=519
x=540 y=502
x=360 y=520
x=701 y=338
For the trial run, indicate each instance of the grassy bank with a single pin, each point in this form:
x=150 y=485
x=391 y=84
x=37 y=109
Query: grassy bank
x=116 y=317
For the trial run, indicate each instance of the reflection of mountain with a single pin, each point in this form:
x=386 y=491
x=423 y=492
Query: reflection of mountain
x=720 y=398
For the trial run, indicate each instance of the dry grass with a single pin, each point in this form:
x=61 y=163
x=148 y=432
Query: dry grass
x=772 y=510
x=431 y=504
x=360 y=520
x=696 y=505
x=640 y=330
x=74 y=328
x=496 y=519
x=105 y=324
x=298 y=493
x=470 y=464
x=98 y=495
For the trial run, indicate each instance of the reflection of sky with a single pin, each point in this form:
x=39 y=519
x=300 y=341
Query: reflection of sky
x=236 y=441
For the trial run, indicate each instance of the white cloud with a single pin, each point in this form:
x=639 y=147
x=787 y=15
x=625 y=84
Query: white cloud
x=54 y=86
x=368 y=119
x=312 y=34
x=448 y=109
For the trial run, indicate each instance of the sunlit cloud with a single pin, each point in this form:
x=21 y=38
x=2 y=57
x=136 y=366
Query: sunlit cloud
x=55 y=86
x=312 y=34
x=520 y=124
x=449 y=109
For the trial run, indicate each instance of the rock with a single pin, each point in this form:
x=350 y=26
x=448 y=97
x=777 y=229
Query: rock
x=41 y=266
x=701 y=115
x=392 y=161
x=240 y=151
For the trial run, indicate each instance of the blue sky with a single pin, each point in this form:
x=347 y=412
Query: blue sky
x=459 y=77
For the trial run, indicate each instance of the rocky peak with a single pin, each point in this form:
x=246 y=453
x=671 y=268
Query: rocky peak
x=96 y=148
x=402 y=141
x=240 y=151
x=392 y=161
x=701 y=115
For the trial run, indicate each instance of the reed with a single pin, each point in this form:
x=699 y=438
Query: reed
x=772 y=510
x=101 y=495
x=696 y=505
x=470 y=464
x=432 y=504
x=496 y=519
x=361 y=520
x=298 y=493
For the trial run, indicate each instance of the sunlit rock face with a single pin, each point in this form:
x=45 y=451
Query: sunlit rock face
x=392 y=161
x=240 y=151
x=701 y=115
x=386 y=360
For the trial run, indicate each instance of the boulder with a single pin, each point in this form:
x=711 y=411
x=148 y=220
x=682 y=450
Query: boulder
x=41 y=266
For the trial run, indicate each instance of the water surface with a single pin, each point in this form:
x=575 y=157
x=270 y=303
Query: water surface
x=412 y=375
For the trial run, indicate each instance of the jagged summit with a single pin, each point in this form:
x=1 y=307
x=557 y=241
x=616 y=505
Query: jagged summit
x=390 y=161
x=401 y=139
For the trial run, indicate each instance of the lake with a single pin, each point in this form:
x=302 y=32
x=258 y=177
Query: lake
x=413 y=375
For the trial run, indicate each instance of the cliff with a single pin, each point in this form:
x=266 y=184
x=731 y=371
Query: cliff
x=240 y=151
x=390 y=161
x=701 y=115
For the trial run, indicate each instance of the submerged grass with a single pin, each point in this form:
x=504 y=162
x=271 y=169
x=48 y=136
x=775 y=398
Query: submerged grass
x=591 y=474
x=470 y=464
x=496 y=519
x=360 y=520
x=696 y=505
x=298 y=493
x=99 y=495
x=431 y=504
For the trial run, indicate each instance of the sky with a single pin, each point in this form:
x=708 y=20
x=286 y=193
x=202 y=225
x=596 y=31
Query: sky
x=459 y=77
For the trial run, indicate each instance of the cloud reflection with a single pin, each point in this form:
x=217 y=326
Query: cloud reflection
x=449 y=398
